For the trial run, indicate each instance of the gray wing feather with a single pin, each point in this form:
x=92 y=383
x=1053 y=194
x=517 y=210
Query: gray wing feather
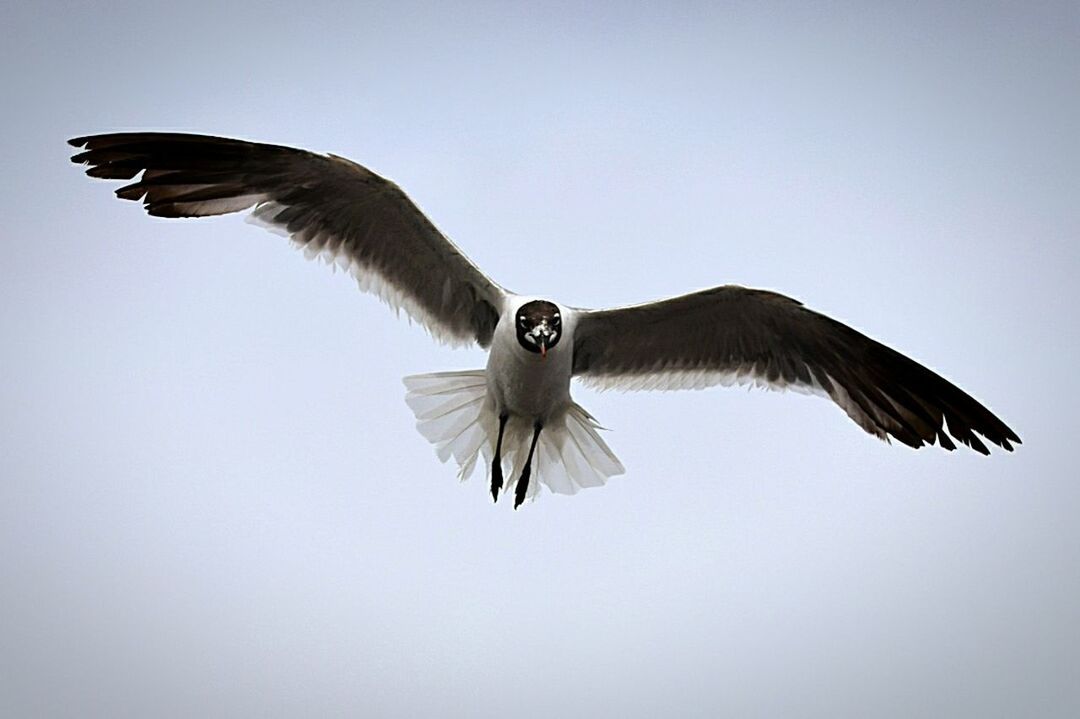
x=733 y=334
x=331 y=206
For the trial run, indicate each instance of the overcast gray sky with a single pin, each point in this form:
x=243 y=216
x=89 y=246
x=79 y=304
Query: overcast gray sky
x=213 y=499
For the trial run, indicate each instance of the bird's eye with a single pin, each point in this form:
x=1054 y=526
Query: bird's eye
x=522 y=321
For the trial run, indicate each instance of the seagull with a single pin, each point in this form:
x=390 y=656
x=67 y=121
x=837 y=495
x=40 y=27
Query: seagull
x=517 y=412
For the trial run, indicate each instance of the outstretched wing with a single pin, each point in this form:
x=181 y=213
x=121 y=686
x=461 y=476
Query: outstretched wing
x=732 y=334
x=331 y=206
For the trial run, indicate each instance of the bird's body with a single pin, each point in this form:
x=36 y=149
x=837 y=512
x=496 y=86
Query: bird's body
x=517 y=413
x=463 y=413
x=529 y=384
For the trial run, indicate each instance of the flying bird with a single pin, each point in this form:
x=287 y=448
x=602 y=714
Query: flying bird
x=517 y=412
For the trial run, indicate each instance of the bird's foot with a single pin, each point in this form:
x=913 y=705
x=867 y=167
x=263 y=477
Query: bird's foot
x=496 y=480
x=522 y=487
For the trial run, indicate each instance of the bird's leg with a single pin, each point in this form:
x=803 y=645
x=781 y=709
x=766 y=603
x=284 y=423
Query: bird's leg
x=523 y=481
x=496 y=464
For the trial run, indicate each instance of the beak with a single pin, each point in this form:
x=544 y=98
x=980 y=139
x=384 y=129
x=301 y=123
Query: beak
x=543 y=348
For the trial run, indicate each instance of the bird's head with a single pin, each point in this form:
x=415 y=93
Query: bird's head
x=539 y=326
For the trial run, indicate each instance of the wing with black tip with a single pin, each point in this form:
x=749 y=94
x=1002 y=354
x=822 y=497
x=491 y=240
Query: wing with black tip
x=332 y=207
x=735 y=335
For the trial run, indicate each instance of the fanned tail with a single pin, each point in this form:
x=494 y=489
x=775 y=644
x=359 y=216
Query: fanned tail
x=454 y=413
x=450 y=413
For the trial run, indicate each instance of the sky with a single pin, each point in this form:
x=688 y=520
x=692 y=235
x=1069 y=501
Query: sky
x=213 y=500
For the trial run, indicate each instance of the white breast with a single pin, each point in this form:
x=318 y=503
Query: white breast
x=524 y=383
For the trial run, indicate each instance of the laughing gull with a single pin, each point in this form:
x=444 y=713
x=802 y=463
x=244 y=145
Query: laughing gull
x=517 y=412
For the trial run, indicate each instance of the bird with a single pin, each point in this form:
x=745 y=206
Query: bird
x=517 y=412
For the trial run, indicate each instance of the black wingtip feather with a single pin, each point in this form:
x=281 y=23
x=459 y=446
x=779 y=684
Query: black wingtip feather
x=135 y=191
x=110 y=172
x=976 y=444
x=166 y=209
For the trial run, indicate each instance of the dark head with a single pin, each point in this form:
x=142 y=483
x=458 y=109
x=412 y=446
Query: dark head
x=539 y=326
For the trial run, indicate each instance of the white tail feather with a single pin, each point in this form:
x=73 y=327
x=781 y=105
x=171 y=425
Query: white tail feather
x=454 y=412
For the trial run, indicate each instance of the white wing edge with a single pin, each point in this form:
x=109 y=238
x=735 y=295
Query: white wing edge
x=672 y=380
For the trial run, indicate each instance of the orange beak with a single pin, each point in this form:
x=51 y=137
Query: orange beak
x=543 y=350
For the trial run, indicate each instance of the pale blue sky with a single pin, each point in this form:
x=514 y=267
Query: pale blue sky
x=213 y=500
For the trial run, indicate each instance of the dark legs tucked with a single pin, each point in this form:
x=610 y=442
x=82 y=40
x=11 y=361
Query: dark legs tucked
x=496 y=464
x=523 y=481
